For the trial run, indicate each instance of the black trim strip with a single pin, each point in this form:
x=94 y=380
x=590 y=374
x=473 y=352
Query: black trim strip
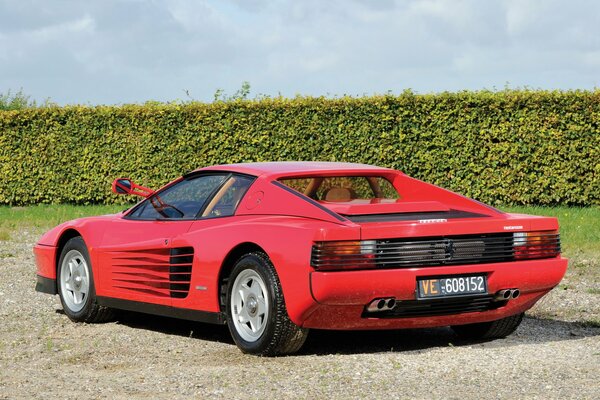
x=413 y=216
x=309 y=200
x=163 y=311
x=46 y=285
x=193 y=174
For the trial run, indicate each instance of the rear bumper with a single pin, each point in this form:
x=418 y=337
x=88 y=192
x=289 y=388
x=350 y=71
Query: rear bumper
x=341 y=296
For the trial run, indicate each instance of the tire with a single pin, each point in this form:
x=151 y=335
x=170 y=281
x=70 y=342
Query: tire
x=256 y=314
x=75 y=283
x=489 y=330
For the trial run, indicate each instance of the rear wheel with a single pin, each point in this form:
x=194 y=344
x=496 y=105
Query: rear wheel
x=489 y=330
x=76 y=284
x=256 y=313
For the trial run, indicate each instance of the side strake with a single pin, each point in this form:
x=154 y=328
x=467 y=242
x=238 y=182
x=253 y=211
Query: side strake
x=161 y=272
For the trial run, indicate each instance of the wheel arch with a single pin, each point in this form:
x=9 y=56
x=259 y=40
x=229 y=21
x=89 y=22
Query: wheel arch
x=228 y=264
x=65 y=236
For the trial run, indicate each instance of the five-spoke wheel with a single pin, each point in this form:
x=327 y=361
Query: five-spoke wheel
x=256 y=313
x=74 y=280
x=249 y=304
x=76 y=284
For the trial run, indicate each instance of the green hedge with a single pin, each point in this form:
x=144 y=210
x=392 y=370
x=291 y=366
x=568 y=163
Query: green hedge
x=508 y=147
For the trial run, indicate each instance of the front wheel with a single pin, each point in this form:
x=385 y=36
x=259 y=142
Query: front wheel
x=76 y=284
x=256 y=312
x=489 y=330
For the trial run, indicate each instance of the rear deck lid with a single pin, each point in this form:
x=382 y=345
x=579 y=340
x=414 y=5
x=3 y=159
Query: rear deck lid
x=361 y=211
x=389 y=219
x=382 y=206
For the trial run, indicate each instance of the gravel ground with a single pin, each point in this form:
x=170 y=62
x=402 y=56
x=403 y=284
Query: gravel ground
x=554 y=354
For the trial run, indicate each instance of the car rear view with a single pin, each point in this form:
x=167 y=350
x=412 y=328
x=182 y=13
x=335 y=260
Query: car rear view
x=426 y=257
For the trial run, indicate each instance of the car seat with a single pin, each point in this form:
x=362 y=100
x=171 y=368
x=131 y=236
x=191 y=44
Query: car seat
x=339 y=194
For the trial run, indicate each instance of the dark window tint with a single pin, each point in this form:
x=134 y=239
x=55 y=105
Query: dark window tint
x=183 y=200
x=228 y=197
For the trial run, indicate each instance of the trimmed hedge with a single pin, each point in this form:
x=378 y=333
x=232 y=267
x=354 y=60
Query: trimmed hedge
x=508 y=147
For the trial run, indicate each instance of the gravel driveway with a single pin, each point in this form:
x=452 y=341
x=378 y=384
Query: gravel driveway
x=44 y=355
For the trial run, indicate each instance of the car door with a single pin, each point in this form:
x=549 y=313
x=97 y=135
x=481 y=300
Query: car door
x=138 y=260
x=213 y=234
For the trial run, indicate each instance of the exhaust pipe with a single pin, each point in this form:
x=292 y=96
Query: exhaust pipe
x=503 y=295
x=379 y=305
x=507 y=294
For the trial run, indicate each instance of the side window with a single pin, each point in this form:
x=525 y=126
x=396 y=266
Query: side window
x=228 y=197
x=183 y=200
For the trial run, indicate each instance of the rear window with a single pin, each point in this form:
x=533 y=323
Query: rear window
x=343 y=188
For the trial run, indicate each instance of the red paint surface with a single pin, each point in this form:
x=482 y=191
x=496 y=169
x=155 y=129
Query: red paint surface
x=129 y=257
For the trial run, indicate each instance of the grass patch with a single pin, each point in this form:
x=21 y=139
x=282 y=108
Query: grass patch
x=4 y=234
x=579 y=227
x=47 y=216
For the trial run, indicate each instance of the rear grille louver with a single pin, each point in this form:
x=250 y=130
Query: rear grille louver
x=432 y=251
x=160 y=272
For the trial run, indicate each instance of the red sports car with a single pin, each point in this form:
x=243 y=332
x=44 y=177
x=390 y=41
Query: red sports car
x=274 y=249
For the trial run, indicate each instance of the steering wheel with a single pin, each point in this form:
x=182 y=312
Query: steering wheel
x=161 y=206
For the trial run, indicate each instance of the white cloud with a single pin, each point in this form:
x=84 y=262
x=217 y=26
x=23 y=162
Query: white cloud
x=193 y=15
x=84 y=24
x=116 y=51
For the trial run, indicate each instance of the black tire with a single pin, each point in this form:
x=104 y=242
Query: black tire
x=489 y=330
x=279 y=335
x=88 y=310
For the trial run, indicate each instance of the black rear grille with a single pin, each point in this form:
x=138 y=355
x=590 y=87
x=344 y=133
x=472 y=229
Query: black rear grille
x=445 y=251
x=432 y=251
x=435 y=307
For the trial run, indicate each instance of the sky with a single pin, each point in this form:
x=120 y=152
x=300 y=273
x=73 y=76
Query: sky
x=133 y=51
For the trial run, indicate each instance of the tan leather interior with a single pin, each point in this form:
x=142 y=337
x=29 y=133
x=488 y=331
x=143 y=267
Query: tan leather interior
x=218 y=196
x=339 y=194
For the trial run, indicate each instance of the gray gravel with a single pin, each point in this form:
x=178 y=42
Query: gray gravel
x=44 y=355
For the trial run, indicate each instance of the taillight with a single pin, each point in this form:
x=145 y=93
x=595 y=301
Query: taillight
x=542 y=244
x=344 y=255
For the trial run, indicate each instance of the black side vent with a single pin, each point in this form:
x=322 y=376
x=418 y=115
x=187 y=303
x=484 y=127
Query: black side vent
x=180 y=271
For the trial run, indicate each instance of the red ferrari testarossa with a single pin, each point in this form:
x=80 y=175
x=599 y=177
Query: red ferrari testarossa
x=274 y=249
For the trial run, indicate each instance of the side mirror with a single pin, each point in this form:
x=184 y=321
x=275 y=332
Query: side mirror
x=122 y=186
x=127 y=186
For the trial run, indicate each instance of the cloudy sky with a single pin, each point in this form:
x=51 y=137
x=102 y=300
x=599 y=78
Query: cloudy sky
x=123 y=51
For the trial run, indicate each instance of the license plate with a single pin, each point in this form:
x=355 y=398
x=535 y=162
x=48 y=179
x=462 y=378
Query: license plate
x=451 y=286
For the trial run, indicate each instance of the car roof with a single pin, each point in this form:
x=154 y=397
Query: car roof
x=288 y=168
